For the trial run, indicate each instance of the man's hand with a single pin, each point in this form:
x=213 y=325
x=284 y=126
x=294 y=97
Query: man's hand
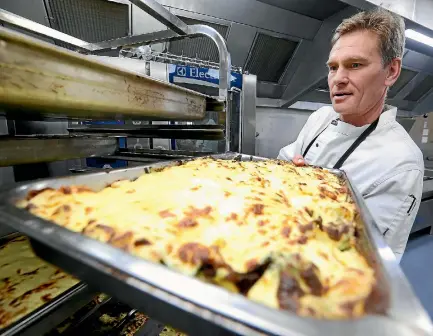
x=299 y=161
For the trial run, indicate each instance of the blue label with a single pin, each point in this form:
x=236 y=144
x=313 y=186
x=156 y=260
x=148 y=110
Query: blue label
x=103 y=122
x=200 y=76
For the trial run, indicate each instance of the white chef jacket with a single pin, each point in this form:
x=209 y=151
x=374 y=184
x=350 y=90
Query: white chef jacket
x=387 y=168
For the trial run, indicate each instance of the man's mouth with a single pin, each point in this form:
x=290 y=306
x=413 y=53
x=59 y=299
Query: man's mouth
x=341 y=94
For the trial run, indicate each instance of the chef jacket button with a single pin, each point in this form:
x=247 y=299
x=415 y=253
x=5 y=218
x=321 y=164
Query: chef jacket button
x=317 y=145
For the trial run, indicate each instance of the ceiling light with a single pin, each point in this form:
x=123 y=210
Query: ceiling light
x=414 y=35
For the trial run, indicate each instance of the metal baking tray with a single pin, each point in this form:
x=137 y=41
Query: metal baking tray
x=44 y=318
x=199 y=308
x=40 y=77
x=47 y=148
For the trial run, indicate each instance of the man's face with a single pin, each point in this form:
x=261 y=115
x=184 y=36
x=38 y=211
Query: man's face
x=357 y=78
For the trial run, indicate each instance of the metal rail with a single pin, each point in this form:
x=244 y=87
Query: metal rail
x=169 y=35
x=197 y=132
x=169 y=58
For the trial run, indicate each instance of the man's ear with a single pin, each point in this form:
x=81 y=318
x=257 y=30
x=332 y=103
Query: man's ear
x=394 y=70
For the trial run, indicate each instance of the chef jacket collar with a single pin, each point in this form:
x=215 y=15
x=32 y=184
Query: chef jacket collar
x=387 y=116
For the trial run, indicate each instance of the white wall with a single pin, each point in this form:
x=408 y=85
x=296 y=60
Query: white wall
x=277 y=128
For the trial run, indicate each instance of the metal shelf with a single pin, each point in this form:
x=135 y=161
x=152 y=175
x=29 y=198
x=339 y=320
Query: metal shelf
x=152 y=155
x=197 y=132
x=39 y=77
x=47 y=148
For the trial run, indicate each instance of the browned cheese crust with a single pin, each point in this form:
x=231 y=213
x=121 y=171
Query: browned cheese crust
x=281 y=235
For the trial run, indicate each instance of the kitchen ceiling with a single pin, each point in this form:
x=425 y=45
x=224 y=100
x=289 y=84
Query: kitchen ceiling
x=311 y=8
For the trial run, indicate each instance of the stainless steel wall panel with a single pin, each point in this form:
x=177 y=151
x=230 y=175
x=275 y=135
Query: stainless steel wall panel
x=425 y=106
x=268 y=102
x=403 y=91
x=307 y=106
x=418 y=62
x=270 y=90
x=297 y=58
x=313 y=68
x=424 y=217
x=406 y=76
x=239 y=41
x=248 y=115
x=277 y=128
x=269 y=57
x=316 y=96
x=252 y=13
x=423 y=87
x=32 y=10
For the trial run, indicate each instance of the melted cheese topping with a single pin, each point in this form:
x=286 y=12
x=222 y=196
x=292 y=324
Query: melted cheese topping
x=26 y=282
x=279 y=234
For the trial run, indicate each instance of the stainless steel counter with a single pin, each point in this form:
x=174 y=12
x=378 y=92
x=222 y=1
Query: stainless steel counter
x=427 y=189
x=424 y=218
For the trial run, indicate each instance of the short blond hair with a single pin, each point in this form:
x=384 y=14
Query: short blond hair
x=389 y=27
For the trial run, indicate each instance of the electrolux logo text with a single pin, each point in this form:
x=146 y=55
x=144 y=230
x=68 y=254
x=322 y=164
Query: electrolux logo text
x=193 y=72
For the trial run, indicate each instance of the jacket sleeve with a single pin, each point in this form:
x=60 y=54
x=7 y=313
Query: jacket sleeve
x=394 y=203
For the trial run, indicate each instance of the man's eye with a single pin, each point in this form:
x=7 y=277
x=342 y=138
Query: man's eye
x=356 y=65
x=332 y=68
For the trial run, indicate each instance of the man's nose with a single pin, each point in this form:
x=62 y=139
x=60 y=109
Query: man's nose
x=339 y=77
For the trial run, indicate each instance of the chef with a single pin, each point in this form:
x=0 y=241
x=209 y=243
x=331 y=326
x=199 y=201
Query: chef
x=359 y=133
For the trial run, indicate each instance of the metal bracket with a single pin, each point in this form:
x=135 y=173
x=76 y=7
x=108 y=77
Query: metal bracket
x=156 y=10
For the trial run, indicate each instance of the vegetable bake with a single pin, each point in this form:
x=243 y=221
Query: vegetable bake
x=281 y=235
x=26 y=282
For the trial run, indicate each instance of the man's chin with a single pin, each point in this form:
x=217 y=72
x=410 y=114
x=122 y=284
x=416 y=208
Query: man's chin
x=343 y=109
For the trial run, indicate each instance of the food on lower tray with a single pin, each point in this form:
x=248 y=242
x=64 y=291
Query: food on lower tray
x=135 y=325
x=168 y=331
x=26 y=282
x=281 y=235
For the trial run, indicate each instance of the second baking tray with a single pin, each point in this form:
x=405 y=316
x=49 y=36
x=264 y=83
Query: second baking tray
x=194 y=306
x=44 y=318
